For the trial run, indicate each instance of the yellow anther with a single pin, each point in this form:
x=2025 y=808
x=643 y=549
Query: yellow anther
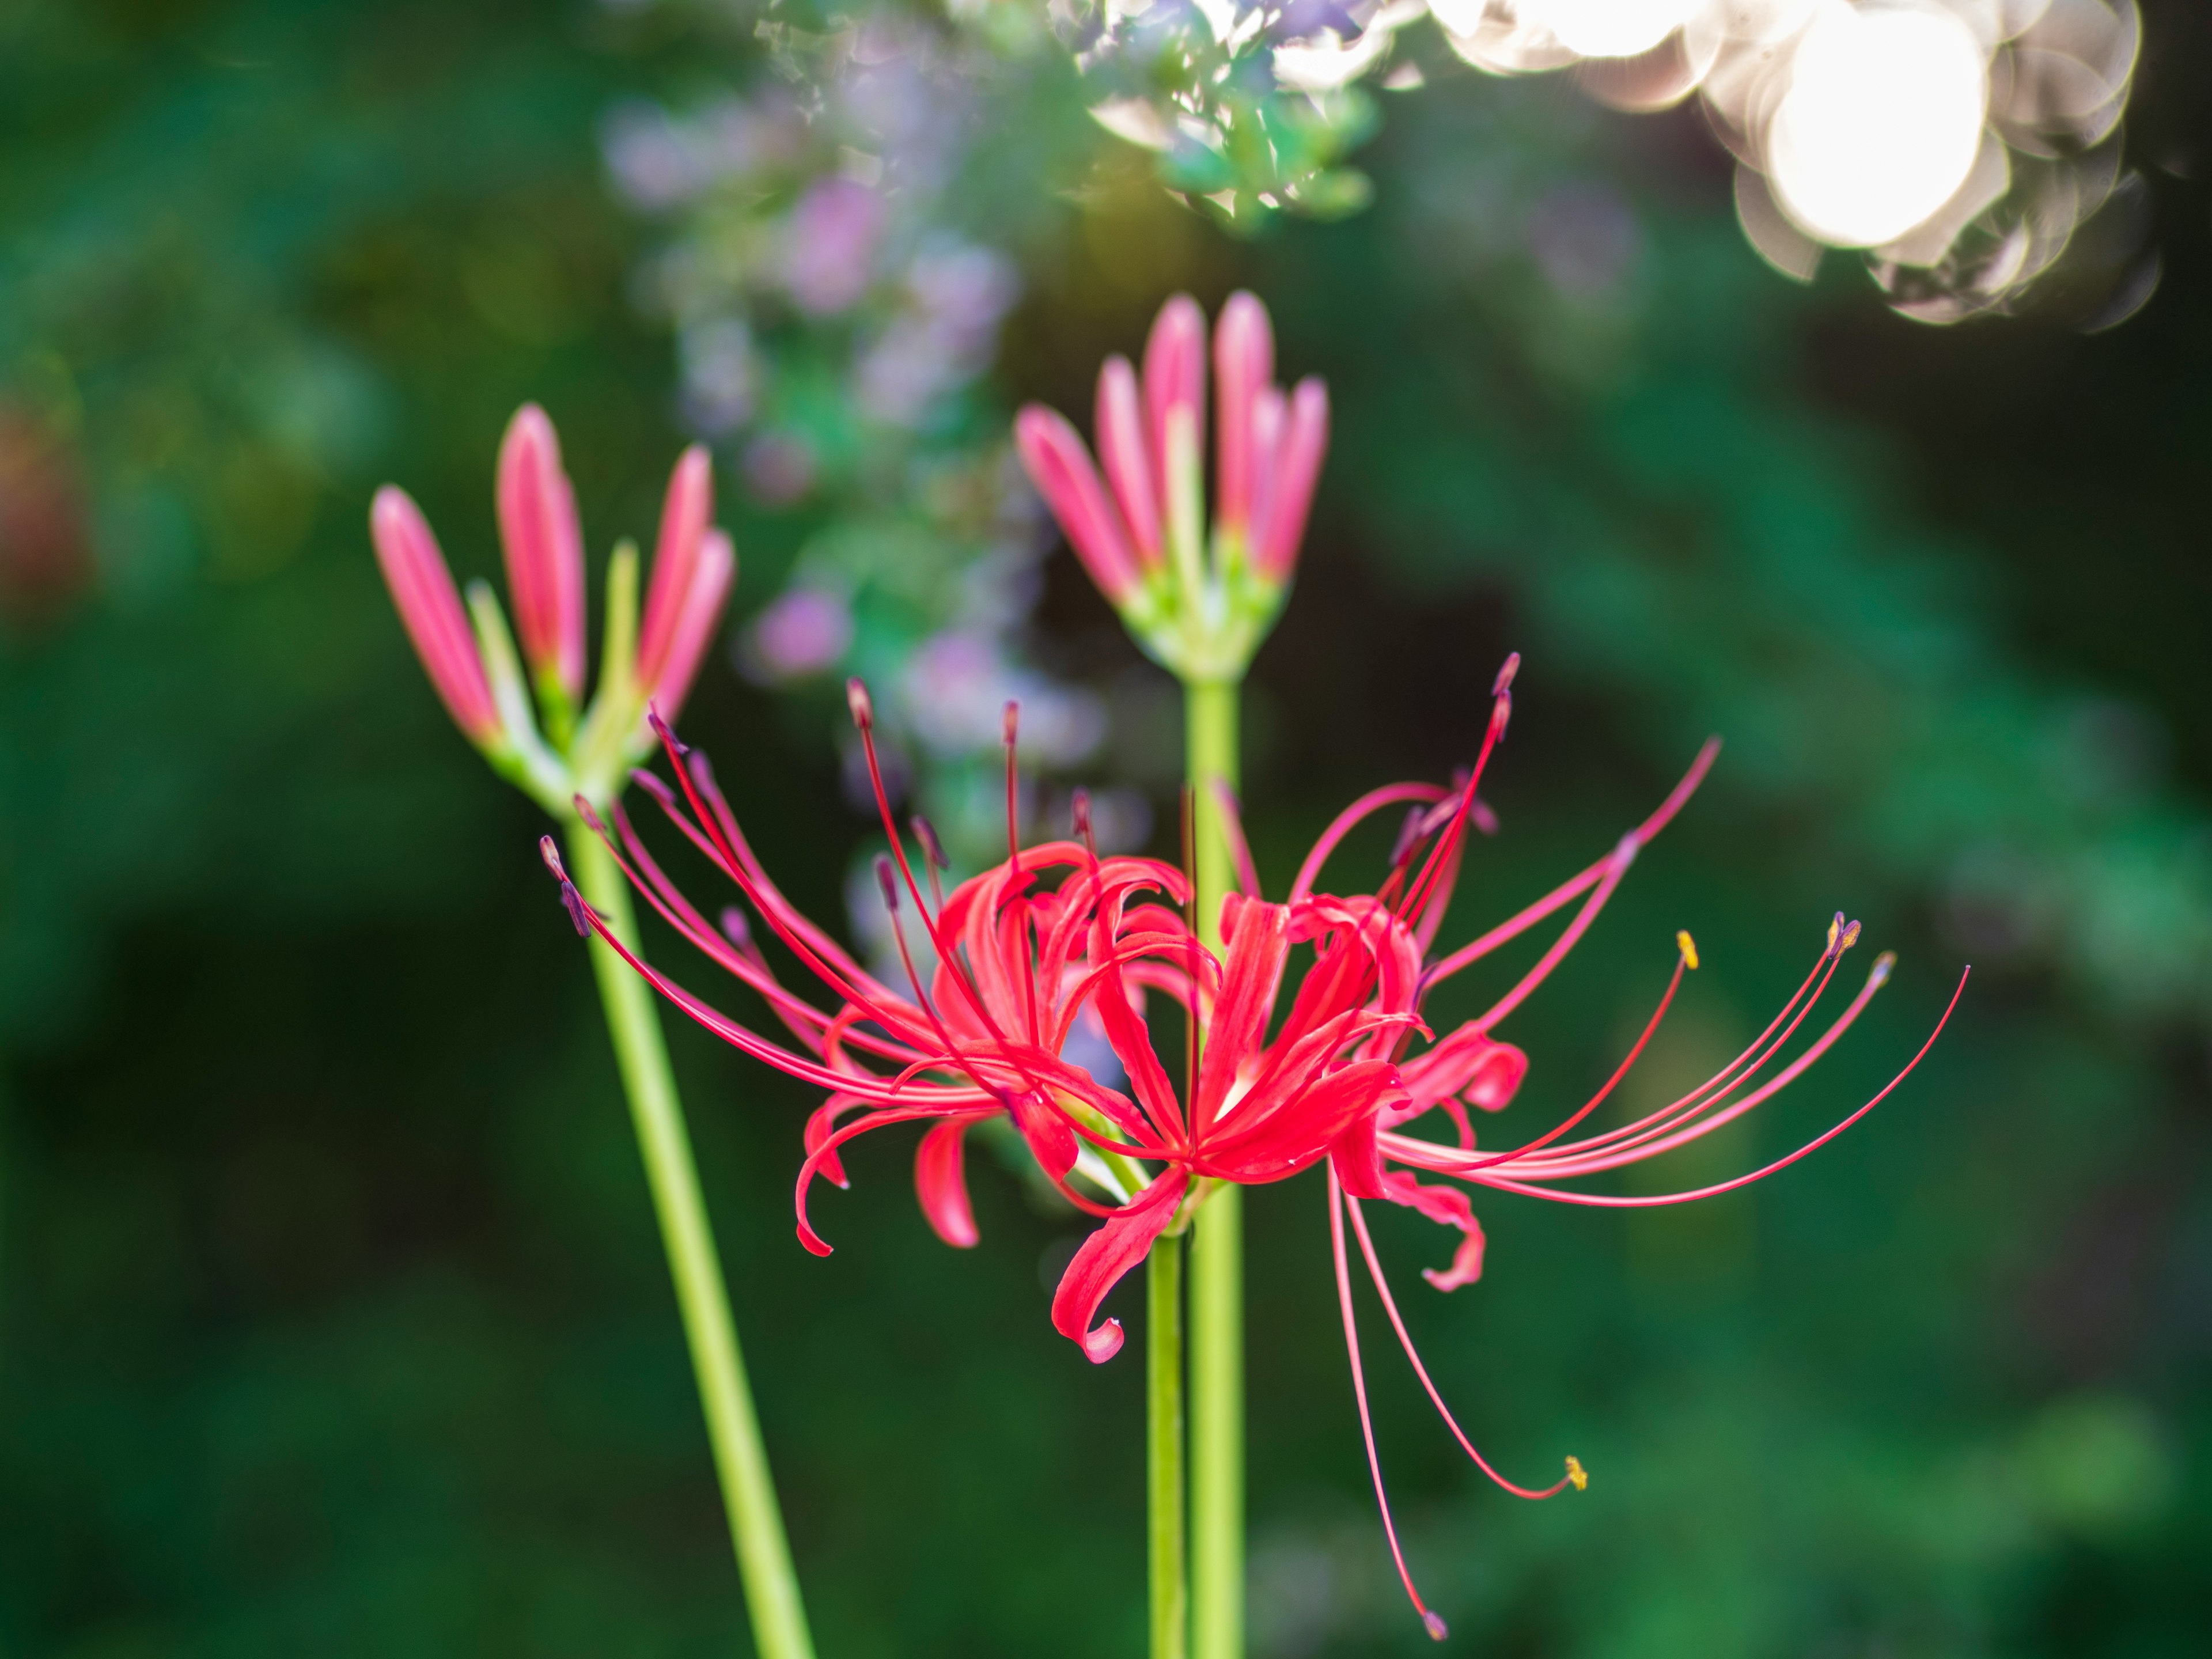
x=1851 y=938
x=1689 y=949
x=1576 y=1475
x=1834 y=928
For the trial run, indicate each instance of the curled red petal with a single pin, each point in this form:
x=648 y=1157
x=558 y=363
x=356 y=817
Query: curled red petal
x=1448 y=1205
x=1107 y=1255
x=940 y=1181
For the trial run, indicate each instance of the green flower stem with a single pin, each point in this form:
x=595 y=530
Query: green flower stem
x=1217 y=1276
x=779 y=1618
x=1163 y=1450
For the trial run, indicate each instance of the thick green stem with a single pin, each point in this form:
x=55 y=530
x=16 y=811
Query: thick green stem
x=1163 y=1458
x=1217 y=1272
x=779 y=1618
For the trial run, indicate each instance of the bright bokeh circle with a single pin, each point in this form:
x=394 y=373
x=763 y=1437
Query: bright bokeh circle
x=1882 y=122
x=1610 y=28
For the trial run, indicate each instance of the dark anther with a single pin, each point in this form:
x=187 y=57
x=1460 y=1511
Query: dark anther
x=932 y=849
x=573 y=901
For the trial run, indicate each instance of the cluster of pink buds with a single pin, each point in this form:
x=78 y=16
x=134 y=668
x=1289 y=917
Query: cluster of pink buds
x=1201 y=604
x=471 y=658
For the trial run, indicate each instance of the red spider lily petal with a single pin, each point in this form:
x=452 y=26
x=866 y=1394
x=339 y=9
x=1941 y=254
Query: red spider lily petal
x=1238 y=1019
x=817 y=1159
x=1451 y=1207
x=1051 y=1139
x=543 y=547
x=1108 y=1254
x=820 y=1124
x=1174 y=376
x=1243 y=365
x=940 y=1181
x=683 y=515
x=712 y=579
x=430 y=609
x=1468 y=1063
x=1053 y=454
x=1288 y=1141
x=1290 y=492
x=1123 y=452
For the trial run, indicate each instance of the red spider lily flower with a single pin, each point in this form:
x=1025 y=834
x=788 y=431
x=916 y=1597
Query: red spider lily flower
x=1198 y=602
x=1057 y=934
x=473 y=662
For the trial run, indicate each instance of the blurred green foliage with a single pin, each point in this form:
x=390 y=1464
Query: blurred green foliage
x=331 y=1316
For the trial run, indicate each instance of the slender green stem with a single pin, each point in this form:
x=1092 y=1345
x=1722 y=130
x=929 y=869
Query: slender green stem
x=779 y=1618
x=1163 y=1456
x=1217 y=1272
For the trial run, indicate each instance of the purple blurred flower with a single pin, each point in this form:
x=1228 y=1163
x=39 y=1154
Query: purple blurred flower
x=829 y=246
x=803 y=632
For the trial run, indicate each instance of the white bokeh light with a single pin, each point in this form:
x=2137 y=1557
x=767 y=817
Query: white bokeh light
x=1610 y=28
x=1882 y=122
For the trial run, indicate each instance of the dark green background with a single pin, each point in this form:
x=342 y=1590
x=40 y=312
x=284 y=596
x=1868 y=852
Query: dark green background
x=332 y=1319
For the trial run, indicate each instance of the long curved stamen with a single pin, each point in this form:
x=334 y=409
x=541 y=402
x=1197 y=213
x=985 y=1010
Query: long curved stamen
x=1739 y=1073
x=1501 y=712
x=1619 y=1072
x=1570 y=1162
x=722 y=1025
x=1350 y=819
x=1513 y=926
x=1426 y=1155
x=1018 y=883
x=1574 y=1476
x=1615 y=868
x=1431 y=1621
x=864 y=718
x=788 y=1006
x=1240 y=850
x=933 y=857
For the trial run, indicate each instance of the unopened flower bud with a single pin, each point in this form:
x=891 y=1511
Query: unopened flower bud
x=683 y=515
x=545 y=549
x=430 y=609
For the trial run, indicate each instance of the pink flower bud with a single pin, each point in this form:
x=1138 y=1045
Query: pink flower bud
x=1175 y=374
x=1296 y=468
x=1059 y=466
x=1126 y=457
x=1244 y=367
x=423 y=589
x=545 y=549
x=711 y=582
x=683 y=518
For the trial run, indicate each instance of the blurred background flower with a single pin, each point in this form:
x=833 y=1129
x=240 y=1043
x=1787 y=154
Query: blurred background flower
x=331 y=1316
